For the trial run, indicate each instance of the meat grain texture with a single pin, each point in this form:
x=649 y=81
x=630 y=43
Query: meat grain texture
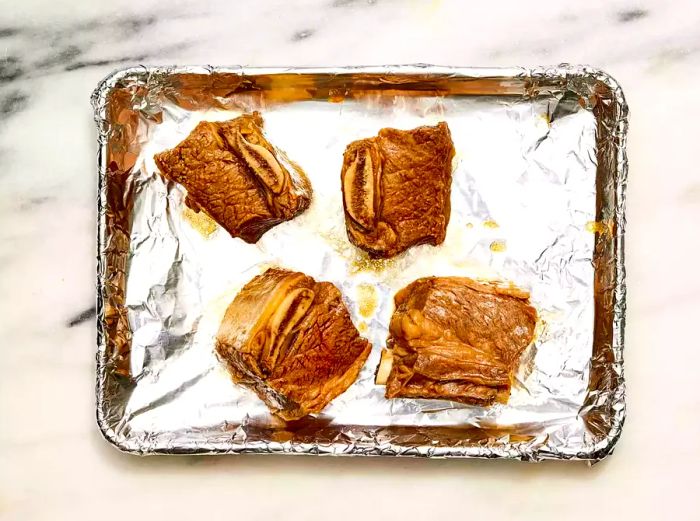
x=235 y=175
x=291 y=340
x=396 y=189
x=457 y=339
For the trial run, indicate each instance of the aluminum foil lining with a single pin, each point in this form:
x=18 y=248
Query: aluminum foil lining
x=537 y=199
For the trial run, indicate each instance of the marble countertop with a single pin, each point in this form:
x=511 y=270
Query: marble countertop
x=53 y=462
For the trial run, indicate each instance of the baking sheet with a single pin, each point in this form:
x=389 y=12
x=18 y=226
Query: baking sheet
x=537 y=199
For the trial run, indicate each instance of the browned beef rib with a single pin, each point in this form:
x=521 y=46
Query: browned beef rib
x=291 y=340
x=396 y=189
x=237 y=177
x=456 y=339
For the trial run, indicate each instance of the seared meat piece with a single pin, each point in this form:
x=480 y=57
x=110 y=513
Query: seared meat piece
x=396 y=189
x=456 y=339
x=237 y=177
x=290 y=339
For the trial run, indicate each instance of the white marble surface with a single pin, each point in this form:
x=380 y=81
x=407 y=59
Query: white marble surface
x=54 y=464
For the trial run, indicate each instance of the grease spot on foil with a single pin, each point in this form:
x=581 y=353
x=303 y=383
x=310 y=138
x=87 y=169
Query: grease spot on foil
x=491 y=224
x=366 y=300
x=336 y=95
x=357 y=260
x=200 y=221
x=363 y=262
x=498 y=246
x=601 y=227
